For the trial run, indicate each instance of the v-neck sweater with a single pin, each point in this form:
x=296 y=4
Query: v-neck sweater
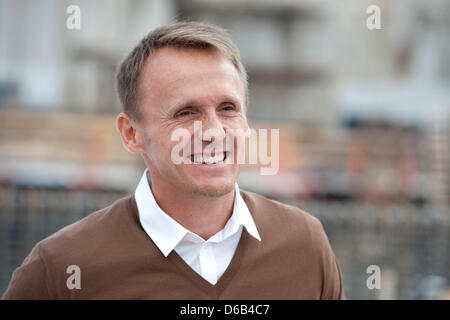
x=117 y=260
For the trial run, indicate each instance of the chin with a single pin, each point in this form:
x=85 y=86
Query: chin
x=214 y=190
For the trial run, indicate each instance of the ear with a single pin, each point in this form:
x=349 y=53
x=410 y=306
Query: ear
x=130 y=133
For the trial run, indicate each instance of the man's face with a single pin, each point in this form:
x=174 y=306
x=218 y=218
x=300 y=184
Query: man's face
x=176 y=88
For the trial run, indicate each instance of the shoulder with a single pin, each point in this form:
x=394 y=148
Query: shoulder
x=288 y=231
x=86 y=243
x=278 y=214
x=87 y=233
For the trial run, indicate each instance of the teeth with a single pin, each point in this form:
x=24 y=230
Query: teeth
x=209 y=160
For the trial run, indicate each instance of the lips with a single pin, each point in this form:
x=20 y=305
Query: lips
x=204 y=159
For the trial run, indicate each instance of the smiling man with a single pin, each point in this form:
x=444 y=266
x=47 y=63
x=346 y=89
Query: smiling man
x=188 y=232
x=178 y=86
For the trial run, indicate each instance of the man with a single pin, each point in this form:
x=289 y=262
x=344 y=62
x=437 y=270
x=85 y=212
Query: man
x=188 y=232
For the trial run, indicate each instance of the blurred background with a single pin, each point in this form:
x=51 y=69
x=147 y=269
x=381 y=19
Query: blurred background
x=364 y=119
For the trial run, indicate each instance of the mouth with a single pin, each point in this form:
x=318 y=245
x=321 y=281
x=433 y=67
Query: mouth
x=209 y=160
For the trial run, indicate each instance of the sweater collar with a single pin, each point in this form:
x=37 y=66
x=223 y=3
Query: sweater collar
x=167 y=233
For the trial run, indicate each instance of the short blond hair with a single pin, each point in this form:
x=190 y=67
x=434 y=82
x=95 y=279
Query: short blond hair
x=180 y=35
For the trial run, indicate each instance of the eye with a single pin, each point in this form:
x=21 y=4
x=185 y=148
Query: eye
x=227 y=107
x=184 y=113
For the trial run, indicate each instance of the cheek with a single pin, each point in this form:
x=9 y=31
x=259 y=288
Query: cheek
x=158 y=146
x=236 y=123
x=177 y=145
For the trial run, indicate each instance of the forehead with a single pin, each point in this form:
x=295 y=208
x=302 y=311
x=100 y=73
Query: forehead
x=172 y=76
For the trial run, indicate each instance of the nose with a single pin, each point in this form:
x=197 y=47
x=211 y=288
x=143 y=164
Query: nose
x=212 y=127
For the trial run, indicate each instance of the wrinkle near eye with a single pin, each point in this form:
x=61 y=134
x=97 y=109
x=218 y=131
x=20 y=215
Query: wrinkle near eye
x=185 y=112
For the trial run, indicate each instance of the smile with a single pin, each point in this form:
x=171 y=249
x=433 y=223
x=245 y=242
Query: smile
x=200 y=159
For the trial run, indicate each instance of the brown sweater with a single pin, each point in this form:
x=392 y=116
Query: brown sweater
x=118 y=260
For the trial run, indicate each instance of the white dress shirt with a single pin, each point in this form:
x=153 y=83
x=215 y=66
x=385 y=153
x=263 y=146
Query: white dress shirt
x=209 y=258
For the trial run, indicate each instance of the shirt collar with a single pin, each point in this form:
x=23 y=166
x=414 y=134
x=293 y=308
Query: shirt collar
x=166 y=233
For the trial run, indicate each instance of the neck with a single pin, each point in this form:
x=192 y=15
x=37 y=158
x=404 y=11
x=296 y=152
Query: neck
x=202 y=215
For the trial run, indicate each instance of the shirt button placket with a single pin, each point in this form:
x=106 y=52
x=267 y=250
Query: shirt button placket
x=208 y=263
